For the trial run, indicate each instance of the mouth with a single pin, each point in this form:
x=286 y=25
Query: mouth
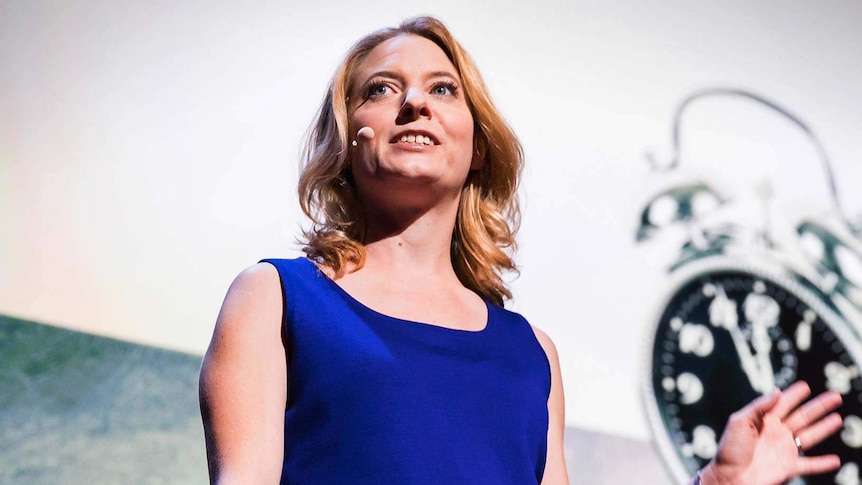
x=415 y=138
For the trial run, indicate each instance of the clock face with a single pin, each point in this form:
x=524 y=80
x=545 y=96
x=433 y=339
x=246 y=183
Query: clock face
x=730 y=334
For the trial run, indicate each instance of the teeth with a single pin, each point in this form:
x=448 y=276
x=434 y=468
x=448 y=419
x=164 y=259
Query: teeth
x=417 y=139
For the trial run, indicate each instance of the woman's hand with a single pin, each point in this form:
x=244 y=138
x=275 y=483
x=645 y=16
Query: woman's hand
x=759 y=445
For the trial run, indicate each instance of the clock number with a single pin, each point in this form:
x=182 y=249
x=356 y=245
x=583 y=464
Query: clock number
x=761 y=310
x=803 y=331
x=803 y=336
x=838 y=377
x=848 y=475
x=697 y=339
x=722 y=311
x=703 y=442
x=690 y=388
x=852 y=433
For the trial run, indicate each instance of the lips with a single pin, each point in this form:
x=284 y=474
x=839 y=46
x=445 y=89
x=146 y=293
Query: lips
x=415 y=136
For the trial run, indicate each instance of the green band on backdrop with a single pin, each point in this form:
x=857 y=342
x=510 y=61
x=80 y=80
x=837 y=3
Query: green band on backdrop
x=81 y=409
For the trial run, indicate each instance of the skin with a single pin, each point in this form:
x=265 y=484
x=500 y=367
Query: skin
x=243 y=383
x=410 y=193
x=758 y=446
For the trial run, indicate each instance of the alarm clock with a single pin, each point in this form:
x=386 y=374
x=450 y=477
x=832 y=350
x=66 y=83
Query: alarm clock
x=742 y=315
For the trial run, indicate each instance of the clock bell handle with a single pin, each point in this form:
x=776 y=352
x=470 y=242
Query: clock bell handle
x=720 y=91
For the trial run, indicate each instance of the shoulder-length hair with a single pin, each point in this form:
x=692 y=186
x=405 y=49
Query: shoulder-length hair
x=488 y=214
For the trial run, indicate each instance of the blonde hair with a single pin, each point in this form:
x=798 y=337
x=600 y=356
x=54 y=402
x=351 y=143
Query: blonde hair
x=488 y=215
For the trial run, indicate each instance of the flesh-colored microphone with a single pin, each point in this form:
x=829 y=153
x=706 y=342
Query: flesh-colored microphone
x=365 y=132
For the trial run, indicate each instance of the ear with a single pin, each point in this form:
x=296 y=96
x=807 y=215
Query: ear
x=480 y=150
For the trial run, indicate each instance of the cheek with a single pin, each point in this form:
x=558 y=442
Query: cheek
x=365 y=115
x=464 y=129
x=355 y=123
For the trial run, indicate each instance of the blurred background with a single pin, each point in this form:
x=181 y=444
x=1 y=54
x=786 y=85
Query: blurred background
x=148 y=153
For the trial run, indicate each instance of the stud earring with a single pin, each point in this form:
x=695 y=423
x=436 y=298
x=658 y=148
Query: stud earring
x=354 y=143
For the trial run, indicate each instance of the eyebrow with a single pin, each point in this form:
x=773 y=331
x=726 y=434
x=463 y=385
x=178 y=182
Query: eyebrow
x=400 y=78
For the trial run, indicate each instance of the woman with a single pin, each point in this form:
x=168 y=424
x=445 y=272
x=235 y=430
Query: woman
x=386 y=356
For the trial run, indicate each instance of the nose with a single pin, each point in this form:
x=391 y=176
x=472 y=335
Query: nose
x=414 y=106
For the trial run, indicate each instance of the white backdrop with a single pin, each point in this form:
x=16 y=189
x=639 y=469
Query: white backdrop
x=148 y=151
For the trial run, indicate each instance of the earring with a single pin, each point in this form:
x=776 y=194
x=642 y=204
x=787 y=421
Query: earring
x=354 y=143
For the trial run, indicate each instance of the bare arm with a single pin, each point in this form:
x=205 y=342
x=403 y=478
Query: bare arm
x=243 y=382
x=555 y=464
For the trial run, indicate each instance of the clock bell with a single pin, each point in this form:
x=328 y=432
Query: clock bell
x=743 y=313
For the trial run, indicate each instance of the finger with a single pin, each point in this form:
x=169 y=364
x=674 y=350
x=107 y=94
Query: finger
x=812 y=465
x=813 y=410
x=792 y=397
x=754 y=411
x=819 y=431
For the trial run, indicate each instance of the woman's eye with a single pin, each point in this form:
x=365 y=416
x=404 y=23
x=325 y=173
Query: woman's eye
x=377 y=90
x=443 y=90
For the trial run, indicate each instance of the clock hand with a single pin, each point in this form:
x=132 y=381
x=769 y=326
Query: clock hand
x=749 y=364
x=762 y=312
x=762 y=346
x=722 y=314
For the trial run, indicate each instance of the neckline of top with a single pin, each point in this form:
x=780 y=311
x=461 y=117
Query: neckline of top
x=341 y=291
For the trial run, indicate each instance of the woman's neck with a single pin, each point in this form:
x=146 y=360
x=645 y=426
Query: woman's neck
x=408 y=243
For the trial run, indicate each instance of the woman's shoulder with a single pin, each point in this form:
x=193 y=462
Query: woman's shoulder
x=270 y=289
x=543 y=338
x=546 y=343
x=260 y=277
x=540 y=336
x=254 y=295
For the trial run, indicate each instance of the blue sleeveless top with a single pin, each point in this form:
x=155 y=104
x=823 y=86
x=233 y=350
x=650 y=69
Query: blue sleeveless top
x=375 y=399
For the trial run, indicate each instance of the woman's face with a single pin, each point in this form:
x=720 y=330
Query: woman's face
x=410 y=94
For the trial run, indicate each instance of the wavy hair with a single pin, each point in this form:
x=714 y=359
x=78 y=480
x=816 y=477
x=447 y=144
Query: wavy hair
x=488 y=214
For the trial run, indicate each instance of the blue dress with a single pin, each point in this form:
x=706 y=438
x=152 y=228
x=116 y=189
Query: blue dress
x=373 y=399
